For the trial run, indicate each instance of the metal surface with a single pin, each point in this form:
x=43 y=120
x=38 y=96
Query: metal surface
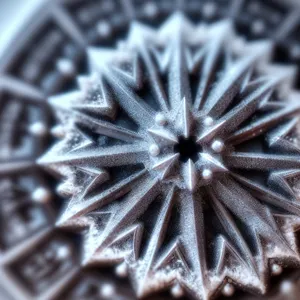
x=43 y=56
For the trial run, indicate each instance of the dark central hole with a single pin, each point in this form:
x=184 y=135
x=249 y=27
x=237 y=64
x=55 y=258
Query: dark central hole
x=187 y=148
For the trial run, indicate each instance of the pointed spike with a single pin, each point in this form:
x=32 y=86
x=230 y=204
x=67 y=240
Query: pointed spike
x=266 y=195
x=136 y=203
x=233 y=231
x=222 y=29
x=221 y=32
x=281 y=73
x=98 y=177
x=224 y=92
x=193 y=233
x=134 y=232
x=133 y=105
x=158 y=234
x=211 y=132
x=165 y=165
x=164 y=136
x=104 y=157
x=177 y=23
x=260 y=126
x=99 y=58
x=109 y=129
x=174 y=250
x=187 y=118
x=139 y=32
x=178 y=77
x=208 y=161
x=155 y=79
x=256 y=216
x=261 y=50
x=279 y=179
x=132 y=75
x=77 y=209
x=254 y=95
x=275 y=137
x=190 y=175
x=66 y=100
x=261 y=161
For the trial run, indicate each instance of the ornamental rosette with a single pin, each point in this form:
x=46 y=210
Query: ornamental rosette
x=177 y=153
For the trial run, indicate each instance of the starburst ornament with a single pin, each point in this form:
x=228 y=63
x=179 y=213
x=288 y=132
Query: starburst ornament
x=178 y=156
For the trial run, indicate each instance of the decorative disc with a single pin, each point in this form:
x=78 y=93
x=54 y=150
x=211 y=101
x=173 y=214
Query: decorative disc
x=156 y=139
x=175 y=158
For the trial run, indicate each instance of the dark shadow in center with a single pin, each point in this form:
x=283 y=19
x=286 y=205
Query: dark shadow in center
x=187 y=148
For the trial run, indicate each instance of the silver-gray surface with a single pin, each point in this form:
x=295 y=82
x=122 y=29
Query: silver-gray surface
x=26 y=122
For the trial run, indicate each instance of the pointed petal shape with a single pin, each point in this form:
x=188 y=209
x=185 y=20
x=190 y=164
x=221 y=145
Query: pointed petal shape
x=77 y=207
x=277 y=138
x=261 y=125
x=224 y=92
x=102 y=156
x=193 y=233
x=165 y=165
x=233 y=231
x=268 y=196
x=156 y=239
x=261 y=161
x=187 y=118
x=209 y=162
x=250 y=211
x=139 y=33
x=136 y=203
x=163 y=136
x=210 y=133
x=252 y=97
x=155 y=79
x=190 y=175
x=221 y=33
x=278 y=179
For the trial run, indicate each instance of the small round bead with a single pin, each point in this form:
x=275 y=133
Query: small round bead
x=121 y=270
x=66 y=67
x=287 y=287
x=209 y=9
x=228 y=290
x=160 y=119
x=41 y=195
x=177 y=291
x=58 y=131
x=276 y=269
x=107 y=290
x=258 y=27
x=104 y=29
x=150 y=9
x=63 y=252
x=207 y=174
x=38 y=129
x=217 y=146
x=154 y=150
x=208 y=121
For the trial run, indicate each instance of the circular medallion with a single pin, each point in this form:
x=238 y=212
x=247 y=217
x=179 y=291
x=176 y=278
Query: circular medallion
x=160 y=139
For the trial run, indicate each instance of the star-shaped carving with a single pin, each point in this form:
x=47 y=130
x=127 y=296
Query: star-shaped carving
x=176 y=158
